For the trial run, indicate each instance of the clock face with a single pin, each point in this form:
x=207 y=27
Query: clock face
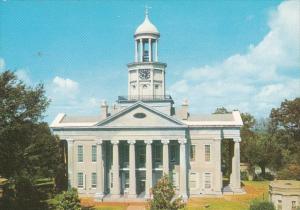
x=144 y=73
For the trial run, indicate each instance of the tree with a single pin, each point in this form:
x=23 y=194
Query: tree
x=163 y=196
x=259 y=150
x=67 y=200
x=247 y=136
x=285 y=128
x=28 y=149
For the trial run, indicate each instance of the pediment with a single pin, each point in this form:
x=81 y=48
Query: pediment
x=140 y=115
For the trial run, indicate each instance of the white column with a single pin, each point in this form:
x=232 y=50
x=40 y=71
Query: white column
x=141 y=50
x=115 y=191
x=70 y=143
x=136 y=50
x=132 y=177
x=217 y=160
x=150 y=50
x=165 y=143
x=183 y=177
x=148 y=168
x=235 y=178
x=99 y=170
x=156 y=50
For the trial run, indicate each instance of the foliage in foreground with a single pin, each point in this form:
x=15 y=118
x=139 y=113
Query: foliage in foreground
x=164 y=196
x=29 y=151
x=67 y=200
x=262 y=205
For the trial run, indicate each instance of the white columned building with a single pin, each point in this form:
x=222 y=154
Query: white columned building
x=123 y=151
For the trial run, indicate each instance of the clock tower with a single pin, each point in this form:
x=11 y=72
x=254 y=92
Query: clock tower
x=146 y=75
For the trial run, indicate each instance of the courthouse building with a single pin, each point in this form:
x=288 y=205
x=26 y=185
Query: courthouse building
x=123 y=151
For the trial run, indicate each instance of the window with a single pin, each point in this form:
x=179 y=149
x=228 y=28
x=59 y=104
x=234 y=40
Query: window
x=94 y=153
x=125 y=155
x=207 y=180
x=193 y=180
x=279 y=205
x=80 y=180
x=157 y=153
x=80 y=153
x=174 y=153
x=294 y=207
x=111 y=180
x=192 y=152
x=94 y=180
x=126 y=181
x=207 y=152
x=141 y=156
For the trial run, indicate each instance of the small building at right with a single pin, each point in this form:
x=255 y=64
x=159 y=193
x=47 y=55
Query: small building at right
x=285 y=194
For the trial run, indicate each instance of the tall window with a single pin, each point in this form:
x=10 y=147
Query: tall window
x=207 y=152
x=125 y=155
x=193 y=180
x=207 y=180
x=174 y=153
x=192 y=152
x=94 y=180
x=279 y=205
x=294 y=207
x=80 y=180
x=80 y=153
x=94 y=153
x=157 y=153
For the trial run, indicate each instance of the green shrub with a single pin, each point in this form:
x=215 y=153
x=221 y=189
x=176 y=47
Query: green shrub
x=268 y=176
x=164 y=196
x=67 y=200
x=244 y=176
x=262 y=205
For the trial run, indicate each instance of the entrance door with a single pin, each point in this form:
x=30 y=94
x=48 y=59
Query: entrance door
x=124 y=182
x=141 y=182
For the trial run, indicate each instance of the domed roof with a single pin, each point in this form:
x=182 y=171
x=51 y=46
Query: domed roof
x=146 y=27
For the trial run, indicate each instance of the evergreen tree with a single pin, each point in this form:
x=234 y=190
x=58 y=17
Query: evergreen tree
x=164 y=196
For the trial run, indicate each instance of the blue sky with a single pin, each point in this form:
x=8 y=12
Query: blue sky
x=238 y=54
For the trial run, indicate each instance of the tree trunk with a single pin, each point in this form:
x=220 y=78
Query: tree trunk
x=263 y=170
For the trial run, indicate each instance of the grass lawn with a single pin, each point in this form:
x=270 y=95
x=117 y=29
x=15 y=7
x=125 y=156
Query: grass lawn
x=254 y=189
x=111 y=208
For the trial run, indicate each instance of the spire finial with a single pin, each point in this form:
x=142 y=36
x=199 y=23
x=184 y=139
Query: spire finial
x=147 y=10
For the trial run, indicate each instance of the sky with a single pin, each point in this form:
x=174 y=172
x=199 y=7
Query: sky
x=237 y=54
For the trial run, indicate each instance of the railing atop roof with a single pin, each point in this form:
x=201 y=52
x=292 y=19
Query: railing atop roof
x=145 y=98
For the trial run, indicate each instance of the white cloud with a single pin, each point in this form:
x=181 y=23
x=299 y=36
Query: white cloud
x=67 y=87
x=257 y=80
x=67 y=97
x=23 y=75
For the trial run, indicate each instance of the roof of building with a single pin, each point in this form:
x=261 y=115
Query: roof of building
x=290 y=184
x=285 y=188
x=79 y=119
x=211 y=117
x=146 y=27
x=229 y=119
x=213 y=120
